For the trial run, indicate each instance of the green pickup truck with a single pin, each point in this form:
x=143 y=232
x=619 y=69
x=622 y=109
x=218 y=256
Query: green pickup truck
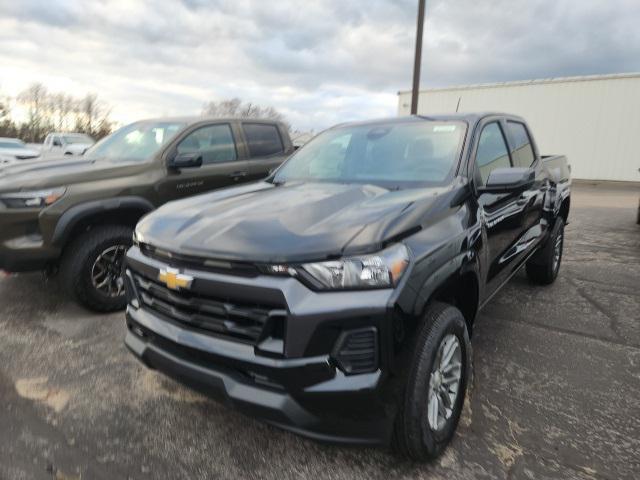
x=74 y=216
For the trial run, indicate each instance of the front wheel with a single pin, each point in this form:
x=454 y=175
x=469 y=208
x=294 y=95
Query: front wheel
x=436 y=385
x=92 y=267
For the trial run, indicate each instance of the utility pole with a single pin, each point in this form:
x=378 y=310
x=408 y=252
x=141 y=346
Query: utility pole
x=418 y=59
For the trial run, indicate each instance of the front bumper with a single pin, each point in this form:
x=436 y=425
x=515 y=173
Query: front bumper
x=22 y=247
x=302 y=389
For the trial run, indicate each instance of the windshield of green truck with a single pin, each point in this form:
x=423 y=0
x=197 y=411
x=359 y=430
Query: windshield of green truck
x=136 y=142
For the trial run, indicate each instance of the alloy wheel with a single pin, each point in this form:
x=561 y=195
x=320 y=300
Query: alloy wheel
x=106 y=273
x=444 y=382
x=557 y=252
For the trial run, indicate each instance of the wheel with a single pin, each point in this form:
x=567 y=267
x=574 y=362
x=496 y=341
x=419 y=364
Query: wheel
x=92 y=267
x=436 y=385
x=544 y=266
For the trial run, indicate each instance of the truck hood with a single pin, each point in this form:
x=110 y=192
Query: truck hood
x=60 y=171
x=288 y=223
x=19 y=153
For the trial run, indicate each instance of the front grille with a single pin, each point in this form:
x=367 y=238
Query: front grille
x=186 y=261
x=246 y=322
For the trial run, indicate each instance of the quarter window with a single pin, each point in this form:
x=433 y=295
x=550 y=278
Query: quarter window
x=263 y=140
x=492 y=151
x=214 y=142
x=522 y=151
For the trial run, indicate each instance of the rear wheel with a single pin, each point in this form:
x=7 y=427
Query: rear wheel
x=544 y=266
x=436 y=385
x=92 y=267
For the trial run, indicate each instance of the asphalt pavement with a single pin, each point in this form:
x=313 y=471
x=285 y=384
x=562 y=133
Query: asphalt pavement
x=555 y=395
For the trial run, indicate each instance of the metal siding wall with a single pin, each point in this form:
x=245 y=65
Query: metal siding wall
x=595 y=122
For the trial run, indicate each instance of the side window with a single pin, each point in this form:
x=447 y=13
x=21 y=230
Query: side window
x=492 y=151
x=523 y=152
x=214 y=142
x=263 y=139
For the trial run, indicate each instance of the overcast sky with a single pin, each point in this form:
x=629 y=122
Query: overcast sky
x=318 y=62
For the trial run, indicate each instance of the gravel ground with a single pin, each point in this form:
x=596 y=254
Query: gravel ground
x=556 y=393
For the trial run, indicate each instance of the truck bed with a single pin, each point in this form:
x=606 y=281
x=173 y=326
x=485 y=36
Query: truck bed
x=558 y=167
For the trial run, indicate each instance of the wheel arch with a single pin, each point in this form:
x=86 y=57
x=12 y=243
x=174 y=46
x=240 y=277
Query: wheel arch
x=456 y=284
x=80 y=218
x=564 y=209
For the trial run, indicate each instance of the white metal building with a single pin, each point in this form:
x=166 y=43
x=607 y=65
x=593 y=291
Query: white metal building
x=594 y=120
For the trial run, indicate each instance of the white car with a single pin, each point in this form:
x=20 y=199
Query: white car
x=14 y=149
x=57 y=144
x=6 y=161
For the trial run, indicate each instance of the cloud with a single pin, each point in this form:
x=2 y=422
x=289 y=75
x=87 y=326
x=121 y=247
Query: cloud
x=320 y=62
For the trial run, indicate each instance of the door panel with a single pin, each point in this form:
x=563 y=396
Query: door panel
x=512 y=221
x=265 y=148
x=531 y=200
x=500 y=213
x=512 y=226
x=193 y=181
x=259 y=168
x=220 y=165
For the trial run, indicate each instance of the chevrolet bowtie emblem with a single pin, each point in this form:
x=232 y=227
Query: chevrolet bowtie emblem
x=174 y=280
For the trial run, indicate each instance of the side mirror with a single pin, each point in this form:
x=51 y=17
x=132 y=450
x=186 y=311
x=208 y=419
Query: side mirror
x=57 y=143
x=504 y=180
x=186 y=160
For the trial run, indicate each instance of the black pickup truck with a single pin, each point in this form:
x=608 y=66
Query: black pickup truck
x=337 y=298
x=76 y=215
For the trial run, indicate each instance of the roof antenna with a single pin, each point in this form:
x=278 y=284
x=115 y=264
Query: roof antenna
x=458 y=105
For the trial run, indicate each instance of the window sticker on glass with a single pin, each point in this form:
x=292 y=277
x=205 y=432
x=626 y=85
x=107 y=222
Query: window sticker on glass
x=444 y=128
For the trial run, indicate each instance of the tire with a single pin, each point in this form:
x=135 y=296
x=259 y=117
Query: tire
x=80 y=266
x=544 y=266
x=414 y=437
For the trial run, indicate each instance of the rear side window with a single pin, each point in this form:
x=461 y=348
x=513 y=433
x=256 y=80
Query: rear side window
x=522 y=151
x=263 y=140
x=492 y=151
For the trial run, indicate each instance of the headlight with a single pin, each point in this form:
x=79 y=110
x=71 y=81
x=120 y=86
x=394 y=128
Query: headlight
x=32 y=199
x=137 y=238
x=379 y=270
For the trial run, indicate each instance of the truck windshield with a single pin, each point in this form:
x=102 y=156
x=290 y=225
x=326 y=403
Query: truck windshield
x=393 y=155
x=136 y=142
x=10 y=144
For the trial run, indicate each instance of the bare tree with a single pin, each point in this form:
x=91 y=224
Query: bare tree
x=224 y=108
x=48 y=111
x=93 y=116
x=235 y=108
x=63 y=108
x=35 y=98
x=7 y=127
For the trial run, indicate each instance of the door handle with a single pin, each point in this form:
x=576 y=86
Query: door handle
x=524 y=199
x=237 y=175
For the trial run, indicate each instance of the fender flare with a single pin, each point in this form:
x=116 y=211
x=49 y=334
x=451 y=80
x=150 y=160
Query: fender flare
x=73 y=216
x=462 y=264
